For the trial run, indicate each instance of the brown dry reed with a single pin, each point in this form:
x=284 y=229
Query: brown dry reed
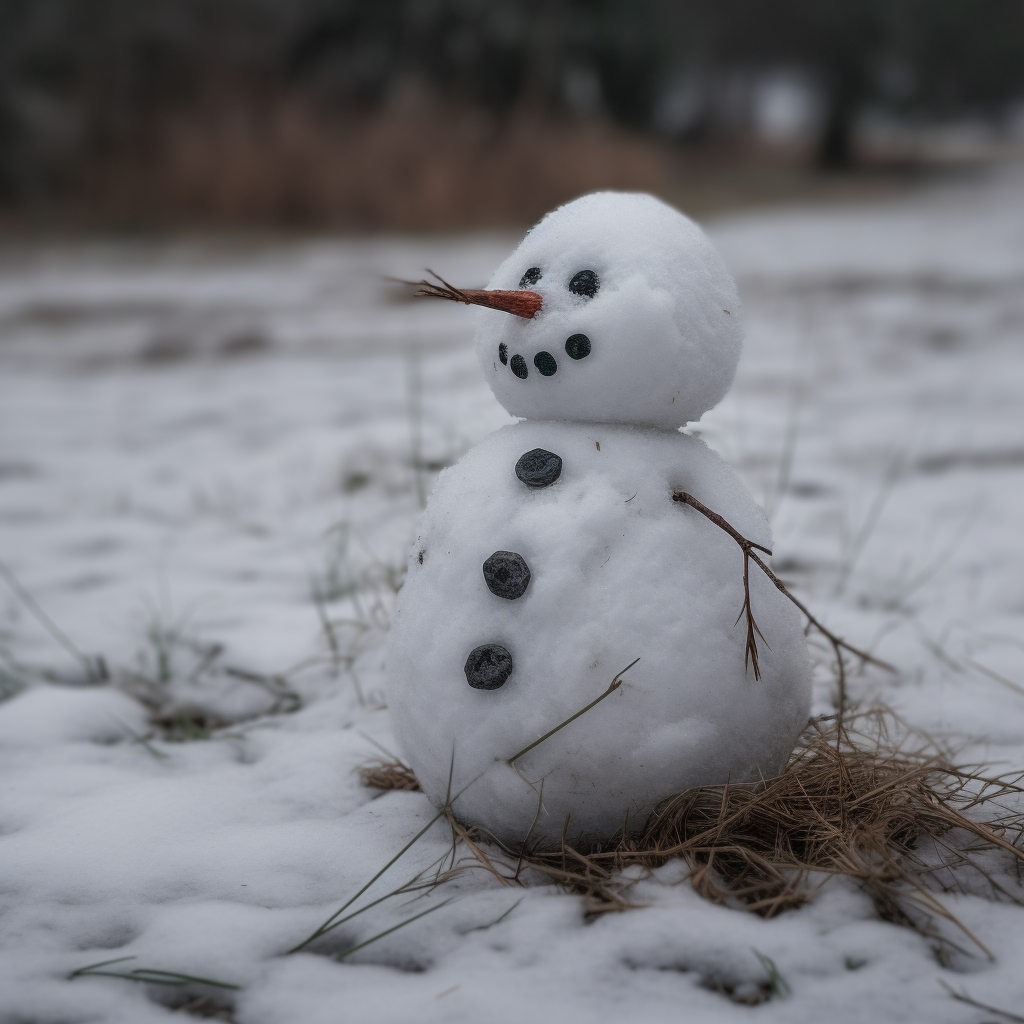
x=389 y=775
x=417 y=165
x=863 y=796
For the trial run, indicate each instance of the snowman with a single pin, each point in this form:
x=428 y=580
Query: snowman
x=552 y=555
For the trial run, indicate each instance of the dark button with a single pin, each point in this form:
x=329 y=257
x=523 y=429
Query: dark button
x=578 y=346
x=507 y=575
x=545 y=362
x=585 y=283
x=503 y=353
x=539 y=468
x=488 y=667
x=519 y=367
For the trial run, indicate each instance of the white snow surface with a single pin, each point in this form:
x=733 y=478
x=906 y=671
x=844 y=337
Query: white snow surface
x=619 y=572
x=213 y=457
x=663 y=328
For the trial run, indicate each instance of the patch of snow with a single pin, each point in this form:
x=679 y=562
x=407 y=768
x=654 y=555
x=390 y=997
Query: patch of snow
x=211 y=464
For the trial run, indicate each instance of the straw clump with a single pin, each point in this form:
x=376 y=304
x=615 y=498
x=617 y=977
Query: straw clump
x=389 y=775
x=863 y=796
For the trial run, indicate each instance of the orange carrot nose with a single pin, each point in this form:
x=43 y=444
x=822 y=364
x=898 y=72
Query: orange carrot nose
x=524 y=304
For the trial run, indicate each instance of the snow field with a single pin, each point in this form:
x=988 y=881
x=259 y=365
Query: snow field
x=207 y=452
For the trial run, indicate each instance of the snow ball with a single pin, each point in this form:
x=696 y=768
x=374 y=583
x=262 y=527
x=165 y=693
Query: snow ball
x=618 y=571
x=638 y=299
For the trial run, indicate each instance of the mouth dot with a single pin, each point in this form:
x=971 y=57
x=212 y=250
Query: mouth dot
x=545 y=362
x=578 y=346
x=519 y=367
x=503 y=353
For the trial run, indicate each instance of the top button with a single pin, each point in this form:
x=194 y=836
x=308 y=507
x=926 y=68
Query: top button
x=539 y=468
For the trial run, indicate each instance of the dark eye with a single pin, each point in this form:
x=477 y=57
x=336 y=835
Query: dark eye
x=586 y=282
x=530 y=278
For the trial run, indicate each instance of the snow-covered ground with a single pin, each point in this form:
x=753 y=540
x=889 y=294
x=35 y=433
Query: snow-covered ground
x=211 y=461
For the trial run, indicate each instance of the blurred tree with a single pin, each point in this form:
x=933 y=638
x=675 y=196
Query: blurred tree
x=83 y=81
x=916 y=58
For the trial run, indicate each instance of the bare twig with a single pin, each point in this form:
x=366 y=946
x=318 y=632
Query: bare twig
x=750 y=554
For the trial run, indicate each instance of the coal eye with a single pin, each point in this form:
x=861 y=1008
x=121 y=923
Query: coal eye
x=530 y=278
x=586 y=282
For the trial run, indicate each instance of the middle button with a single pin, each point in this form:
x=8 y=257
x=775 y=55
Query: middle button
x=507 y=574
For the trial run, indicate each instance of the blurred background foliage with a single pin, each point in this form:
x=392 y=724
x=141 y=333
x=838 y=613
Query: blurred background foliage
x=425 y=114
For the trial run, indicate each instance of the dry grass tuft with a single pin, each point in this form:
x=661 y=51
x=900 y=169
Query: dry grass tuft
x=389 y=775
x=864 y=796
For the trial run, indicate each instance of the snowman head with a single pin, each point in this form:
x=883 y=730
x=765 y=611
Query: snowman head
x=639 y=320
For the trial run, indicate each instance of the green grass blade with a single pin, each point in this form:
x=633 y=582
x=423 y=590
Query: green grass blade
x=51 y=627
x=102 y=963
x=615 y=684
x=779 y=986
x=125 y=976
x=348 y=903
x=394 y=928
x=326 y=926
x=498 y=920
x=146 y=974
x=181 y=979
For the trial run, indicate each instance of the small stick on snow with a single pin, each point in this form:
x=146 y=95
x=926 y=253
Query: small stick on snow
x=963 y=997
x=749 y=554
x=479 y=854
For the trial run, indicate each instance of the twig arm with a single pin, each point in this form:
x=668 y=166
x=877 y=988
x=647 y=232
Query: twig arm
x=863 y=655
x=721 y=523
x=750 y=554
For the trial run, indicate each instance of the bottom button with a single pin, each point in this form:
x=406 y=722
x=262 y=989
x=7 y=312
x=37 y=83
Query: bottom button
x=488 y=667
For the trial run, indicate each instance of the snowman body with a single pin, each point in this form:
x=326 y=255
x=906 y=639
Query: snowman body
x=552 y=555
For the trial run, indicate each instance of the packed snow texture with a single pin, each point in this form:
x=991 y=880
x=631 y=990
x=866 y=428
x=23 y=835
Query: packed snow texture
x=619 y=571
x=213 y=458
x=663 y=326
